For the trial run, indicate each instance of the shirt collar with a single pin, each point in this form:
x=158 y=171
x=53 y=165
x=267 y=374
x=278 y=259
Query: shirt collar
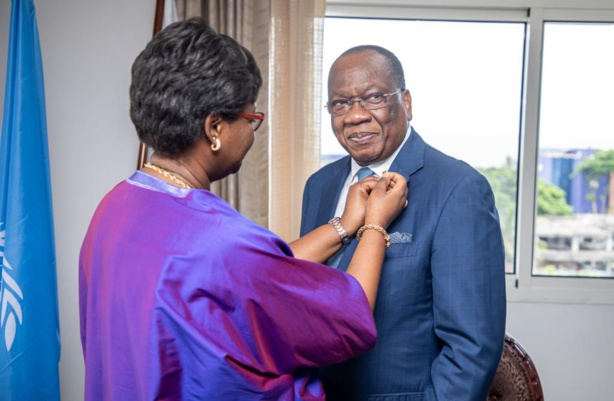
x=379 y=167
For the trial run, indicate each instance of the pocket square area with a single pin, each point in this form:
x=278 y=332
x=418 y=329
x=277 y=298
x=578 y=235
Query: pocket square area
x=400 y=238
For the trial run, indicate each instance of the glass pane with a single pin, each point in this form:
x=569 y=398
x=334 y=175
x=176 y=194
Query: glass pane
x=466 y=82
x=574 y=231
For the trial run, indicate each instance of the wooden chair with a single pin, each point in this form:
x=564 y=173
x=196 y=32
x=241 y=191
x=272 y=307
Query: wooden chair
x=516 y=378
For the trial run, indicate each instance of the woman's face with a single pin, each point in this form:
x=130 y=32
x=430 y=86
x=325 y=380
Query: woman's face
x=242 y=140
x=236 y=138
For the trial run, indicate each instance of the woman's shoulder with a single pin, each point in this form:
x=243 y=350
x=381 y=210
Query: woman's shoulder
x=230 y=230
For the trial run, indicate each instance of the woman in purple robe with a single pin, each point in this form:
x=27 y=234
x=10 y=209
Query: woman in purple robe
x=181 y=297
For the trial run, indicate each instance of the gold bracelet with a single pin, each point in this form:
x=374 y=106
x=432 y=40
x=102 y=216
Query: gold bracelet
x=374 y=227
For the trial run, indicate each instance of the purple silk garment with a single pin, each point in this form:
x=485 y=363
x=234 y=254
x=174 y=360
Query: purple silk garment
x=181 y=297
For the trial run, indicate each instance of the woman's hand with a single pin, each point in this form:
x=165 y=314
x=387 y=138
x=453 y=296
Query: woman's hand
x=387 y=198
x=355 y=205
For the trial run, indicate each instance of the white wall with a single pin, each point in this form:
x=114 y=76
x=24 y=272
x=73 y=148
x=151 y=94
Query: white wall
x=571 y=346
x=88 y=47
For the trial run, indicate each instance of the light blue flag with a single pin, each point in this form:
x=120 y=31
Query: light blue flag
x=29 y=327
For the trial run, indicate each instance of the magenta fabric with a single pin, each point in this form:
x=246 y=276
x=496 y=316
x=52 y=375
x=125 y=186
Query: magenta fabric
x=182 y=298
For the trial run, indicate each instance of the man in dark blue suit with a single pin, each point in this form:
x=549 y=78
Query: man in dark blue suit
x=441 y=305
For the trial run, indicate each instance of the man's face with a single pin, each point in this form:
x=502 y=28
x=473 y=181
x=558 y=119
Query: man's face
x=369 y=136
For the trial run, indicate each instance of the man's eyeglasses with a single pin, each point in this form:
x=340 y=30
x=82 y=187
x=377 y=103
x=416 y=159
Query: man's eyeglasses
x=372 y=101
x=255 y=119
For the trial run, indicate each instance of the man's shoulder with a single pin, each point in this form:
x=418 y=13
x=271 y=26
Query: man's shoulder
x=418 y=156
x=453 y=166
x=329 y=170
x=445 y=171
x=335 y=165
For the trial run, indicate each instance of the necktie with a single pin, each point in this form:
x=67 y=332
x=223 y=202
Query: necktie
x=364 y=172
x=334 y=260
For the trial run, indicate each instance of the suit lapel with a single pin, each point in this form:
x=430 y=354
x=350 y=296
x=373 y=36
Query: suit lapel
x=409 y=160
x=411 y=157
x=330 y=198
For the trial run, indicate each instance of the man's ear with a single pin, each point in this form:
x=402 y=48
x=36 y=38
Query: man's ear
x=407 y=103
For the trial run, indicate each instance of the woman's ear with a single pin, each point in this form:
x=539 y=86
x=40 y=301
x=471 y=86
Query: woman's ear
x=213 y=126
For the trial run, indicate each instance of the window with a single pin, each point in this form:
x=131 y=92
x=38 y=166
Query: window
x=523 y=95
x=576 y=151
x=466 y=82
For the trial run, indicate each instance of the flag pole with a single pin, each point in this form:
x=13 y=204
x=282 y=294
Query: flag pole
x=142 y=157
x=159 y=16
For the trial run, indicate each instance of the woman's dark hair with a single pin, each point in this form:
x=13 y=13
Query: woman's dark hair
x=396 y=69
x=187 y=72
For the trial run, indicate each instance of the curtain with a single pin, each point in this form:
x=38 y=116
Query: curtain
x=294 y=79
x=286 y=38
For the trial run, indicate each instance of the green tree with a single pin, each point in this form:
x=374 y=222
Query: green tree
x=600 y=163
x=551 y=200
x=503 y=183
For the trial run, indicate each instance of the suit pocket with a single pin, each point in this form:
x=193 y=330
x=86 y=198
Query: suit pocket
x=396 y=397
x=402 y=250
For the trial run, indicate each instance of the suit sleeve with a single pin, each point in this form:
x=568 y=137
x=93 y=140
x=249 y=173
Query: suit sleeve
x=468 y=292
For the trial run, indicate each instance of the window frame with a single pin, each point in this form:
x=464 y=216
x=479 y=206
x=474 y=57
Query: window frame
x=521 y=286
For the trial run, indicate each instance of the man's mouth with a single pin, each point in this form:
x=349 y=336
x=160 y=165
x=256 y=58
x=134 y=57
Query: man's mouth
x=361 y=137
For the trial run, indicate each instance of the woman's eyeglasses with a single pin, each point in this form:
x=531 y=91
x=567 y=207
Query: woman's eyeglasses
x=255 y=119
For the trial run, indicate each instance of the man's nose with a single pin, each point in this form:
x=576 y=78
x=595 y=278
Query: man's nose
x=357 y=113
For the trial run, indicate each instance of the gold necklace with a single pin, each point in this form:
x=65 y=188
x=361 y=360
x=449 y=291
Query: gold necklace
x=168 y=175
